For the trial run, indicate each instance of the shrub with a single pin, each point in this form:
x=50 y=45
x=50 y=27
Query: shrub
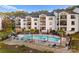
x=61 y=32
x=54 y=32
x=36 y=31
x=22 y=46
x=32 y=30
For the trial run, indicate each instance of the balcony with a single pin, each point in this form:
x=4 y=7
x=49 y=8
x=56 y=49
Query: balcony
x=42 y=25
x=29 y=23
x=43 y=21
x=63 y=23
x=42 y=18
x=17 y=26
x=43 y=28
x=63 y=17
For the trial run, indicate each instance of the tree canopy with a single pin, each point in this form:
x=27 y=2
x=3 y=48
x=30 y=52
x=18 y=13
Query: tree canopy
x=36 y=13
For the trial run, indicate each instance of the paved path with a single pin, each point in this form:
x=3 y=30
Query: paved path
x=63 y=50
x=39 y=47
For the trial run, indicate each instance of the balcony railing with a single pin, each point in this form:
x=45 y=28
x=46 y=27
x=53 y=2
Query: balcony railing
x=63 y=22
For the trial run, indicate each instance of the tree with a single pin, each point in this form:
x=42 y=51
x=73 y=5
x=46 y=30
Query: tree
x=20 y=13
x=38 y=13
x=6 y=23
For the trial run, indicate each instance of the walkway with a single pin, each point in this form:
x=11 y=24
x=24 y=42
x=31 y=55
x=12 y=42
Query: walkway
x=39 y=47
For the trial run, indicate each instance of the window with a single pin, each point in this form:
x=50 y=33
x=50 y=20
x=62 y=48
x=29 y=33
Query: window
x=63 y=16
x=35 y=19
x=63 y=22
x=73 y=22
x=24 y=20
x=42 y=17
x=24 y=23
x=57 y=23
x=29 y=27
x=72 y=29
x=50 y=28
x=50 y=18
x=50 y=23
x=57 y=18
x=43 y=28
x=18 y=19
x=28 y=19
x=29 y=23
x=72 y=16
x=35 y=23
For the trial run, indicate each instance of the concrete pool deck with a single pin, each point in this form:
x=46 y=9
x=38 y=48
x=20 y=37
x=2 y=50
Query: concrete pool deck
x=39 y=47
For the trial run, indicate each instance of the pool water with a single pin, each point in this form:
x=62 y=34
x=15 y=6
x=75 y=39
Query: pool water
x=41 y=37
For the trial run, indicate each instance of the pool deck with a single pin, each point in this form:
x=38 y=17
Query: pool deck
x=39 y=47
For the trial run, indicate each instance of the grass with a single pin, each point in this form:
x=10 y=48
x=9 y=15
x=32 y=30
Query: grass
x=3 y=34
x=75 y=42
x=7 y=51
x=75 y=45
x=4 y=48
x=75 y=36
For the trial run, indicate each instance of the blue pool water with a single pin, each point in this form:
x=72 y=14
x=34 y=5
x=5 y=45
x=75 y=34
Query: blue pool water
x=41 y=37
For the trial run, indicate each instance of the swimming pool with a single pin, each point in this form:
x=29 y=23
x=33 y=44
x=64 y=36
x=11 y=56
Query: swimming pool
x=41 y=37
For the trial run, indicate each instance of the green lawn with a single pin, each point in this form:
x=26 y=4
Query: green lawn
x=3 y=49
x=7 y=51
x=75 y=36
x=75 y=45
x=75 y=42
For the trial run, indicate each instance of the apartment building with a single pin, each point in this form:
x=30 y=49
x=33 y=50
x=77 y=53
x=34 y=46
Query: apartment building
x=68 y=21
x=61 y=20
x=47 y=22
x=43 y=23
x=19 y=22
